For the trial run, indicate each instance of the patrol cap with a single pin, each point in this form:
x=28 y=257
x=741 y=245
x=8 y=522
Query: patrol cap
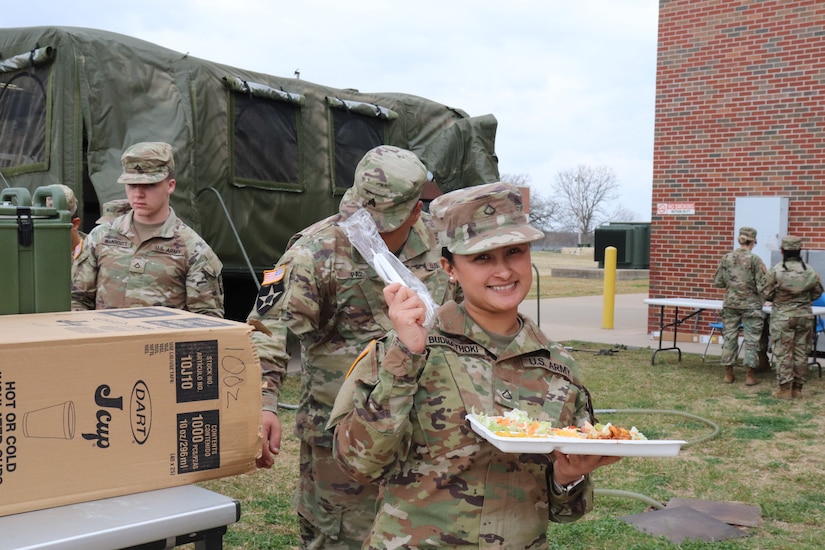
x=147 y=162
x=112 y=209
x=71 y=200
x=748 y=232
x=388 y=182
x=483 y=217
x=791 y=242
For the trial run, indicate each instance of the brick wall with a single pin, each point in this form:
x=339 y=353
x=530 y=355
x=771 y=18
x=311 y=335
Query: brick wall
x=740 y=111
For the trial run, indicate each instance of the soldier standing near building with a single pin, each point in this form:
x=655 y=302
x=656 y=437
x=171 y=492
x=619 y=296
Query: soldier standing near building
x=742 y=274
x=148 y=256
x=792 y=286
x=403 y=409
x=324 y=293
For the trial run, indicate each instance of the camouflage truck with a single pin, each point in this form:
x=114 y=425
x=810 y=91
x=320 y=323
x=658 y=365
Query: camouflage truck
x=258 y=157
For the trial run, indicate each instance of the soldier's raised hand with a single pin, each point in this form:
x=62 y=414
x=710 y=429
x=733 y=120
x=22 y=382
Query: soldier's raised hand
x=407 y=312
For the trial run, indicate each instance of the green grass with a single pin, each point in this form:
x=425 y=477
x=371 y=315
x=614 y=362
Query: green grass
x=767 y=453
x=566 y=287
x=744 y=446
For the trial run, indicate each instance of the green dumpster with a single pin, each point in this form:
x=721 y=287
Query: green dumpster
x=631 y=240
x=35 y=247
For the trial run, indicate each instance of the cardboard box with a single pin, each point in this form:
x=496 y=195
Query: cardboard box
x=96 y=404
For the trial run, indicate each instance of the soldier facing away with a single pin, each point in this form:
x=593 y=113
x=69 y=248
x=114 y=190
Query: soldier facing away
x=401 y=417
x=792 y=286
x=742 y=274
x=147 y=256
x=325 y=293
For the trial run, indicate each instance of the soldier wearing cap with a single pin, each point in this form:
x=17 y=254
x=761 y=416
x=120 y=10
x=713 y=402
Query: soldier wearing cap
x=742 y=274
x=792 y=286
x=324 y=293
x=147 y=256
x=112 y=209
x=400 y=420
x=71 y=206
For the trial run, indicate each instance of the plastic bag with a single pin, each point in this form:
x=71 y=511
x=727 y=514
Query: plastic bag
x=361 y=231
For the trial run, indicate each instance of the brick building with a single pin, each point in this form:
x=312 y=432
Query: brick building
x=740 y=112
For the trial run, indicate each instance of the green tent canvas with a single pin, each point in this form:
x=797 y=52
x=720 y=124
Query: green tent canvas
x=258 y=157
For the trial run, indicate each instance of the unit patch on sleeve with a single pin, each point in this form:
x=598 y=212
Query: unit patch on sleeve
x=272 y=287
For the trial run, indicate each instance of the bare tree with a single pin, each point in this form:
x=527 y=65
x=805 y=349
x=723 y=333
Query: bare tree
x=622 y=214
x=543 y=212
x=583 y=193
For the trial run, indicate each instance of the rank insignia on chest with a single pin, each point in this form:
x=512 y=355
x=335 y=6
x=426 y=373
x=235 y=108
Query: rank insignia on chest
x=137 y=265
x=272 y=287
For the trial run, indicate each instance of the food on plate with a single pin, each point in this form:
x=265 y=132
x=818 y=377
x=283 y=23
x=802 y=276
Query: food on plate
x=516 y=423
x=603 y=431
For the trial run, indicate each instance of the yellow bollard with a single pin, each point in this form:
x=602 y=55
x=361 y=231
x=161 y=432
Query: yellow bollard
x=609 y=287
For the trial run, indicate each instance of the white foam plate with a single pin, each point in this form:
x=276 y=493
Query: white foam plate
x=576 y=446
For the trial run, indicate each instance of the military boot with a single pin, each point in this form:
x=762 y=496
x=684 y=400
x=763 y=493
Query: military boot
x=785 y=391
x=750 y=380
x=796 y=390
x=729 y=377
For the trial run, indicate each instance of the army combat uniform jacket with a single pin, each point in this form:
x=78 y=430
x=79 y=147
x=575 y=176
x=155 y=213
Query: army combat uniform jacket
x=792 y=288
x=173 y=268
x=444 y=485
x=328 y=296
x=742 y=274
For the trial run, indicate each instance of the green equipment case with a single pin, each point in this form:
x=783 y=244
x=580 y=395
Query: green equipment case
x=35 y=251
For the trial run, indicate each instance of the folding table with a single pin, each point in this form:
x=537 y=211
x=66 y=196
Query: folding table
x=698 y=306
x=164 y=518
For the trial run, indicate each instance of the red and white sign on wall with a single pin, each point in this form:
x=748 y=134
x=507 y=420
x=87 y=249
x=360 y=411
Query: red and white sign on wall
x=674 y=208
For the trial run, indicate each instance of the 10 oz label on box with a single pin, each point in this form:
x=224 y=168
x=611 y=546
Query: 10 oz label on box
x=198 y=441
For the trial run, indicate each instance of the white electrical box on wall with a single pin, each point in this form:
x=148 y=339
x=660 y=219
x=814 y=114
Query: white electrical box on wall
x=769 y=216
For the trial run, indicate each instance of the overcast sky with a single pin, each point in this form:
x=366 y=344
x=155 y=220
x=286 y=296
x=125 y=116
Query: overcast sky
x=570 y=81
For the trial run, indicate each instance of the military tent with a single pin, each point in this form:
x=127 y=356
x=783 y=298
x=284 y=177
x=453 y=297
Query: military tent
x=258 y=157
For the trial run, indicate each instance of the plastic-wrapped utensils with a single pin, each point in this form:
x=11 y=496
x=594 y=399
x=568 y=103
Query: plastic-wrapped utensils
x=361 y=231
x=385 y=269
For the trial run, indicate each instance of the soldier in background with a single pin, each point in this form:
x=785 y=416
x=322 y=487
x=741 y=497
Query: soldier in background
x=742 y=274
x=71 y=206
x=148 y=256
x=792 y=286
x=402 y=412
x=112 y=209
x=325 y=294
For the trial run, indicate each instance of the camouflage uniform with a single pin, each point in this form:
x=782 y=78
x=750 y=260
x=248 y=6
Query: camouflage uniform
x=443 y=484
x=328 y=296
x=401 y=416
x=173 y=268
x=792 y=286
x=742 y=274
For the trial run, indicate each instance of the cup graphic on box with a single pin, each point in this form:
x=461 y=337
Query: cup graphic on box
x=55 y=422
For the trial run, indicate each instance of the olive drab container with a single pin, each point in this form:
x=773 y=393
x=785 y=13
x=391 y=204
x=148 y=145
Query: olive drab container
x=35 y=247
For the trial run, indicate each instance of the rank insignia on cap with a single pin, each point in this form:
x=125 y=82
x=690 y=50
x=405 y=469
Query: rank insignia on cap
x=272 y=287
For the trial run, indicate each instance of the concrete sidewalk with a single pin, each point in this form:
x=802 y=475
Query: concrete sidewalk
x=565 y=319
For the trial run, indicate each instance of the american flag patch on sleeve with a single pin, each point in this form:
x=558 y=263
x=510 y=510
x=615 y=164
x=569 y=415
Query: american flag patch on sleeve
x=273 y=275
